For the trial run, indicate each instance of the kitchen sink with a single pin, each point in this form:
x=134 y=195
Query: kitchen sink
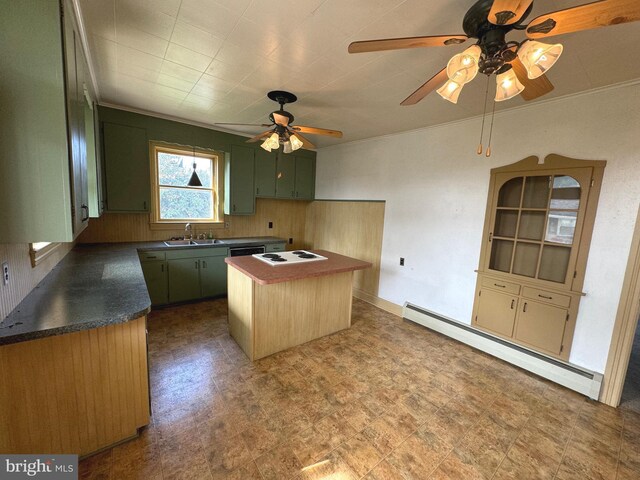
x=210 y=241
x=178 y=243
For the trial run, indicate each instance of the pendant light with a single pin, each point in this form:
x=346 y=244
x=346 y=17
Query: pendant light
x=194 y=181
x=272 y=142
x=508 y=86
x=463 y=67
x=296 y=143
x=538 y=57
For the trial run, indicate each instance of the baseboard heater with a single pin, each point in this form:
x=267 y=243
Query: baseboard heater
x=575 y=378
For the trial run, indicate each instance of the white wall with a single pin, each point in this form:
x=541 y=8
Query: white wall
x=436 y=189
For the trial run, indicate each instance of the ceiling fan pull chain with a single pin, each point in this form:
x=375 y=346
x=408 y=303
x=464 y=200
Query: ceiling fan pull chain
x=493 y=114
x=484 y=114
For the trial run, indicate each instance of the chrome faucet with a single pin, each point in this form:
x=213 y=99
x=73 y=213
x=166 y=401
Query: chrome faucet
x=187 y=228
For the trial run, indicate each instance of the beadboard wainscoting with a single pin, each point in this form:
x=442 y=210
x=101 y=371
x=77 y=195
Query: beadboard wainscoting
x=22 y=276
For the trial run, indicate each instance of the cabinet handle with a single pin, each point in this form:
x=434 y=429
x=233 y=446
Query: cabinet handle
x=86 y=208
x=490 y=236
x=144 y=205
x=161 y=266
x=149 y=256
x=297 y=195
x=196 y=264
x=512 y=303
x=544 y=296
x=257 y=190
x=524 y=308
x=204 y=264
x=292 y=193
x=234 y=207
x=501 y=286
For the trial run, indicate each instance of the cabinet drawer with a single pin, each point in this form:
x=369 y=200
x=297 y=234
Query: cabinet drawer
x=275 y=247
x=545 y=296
x=151 y=256
x=499 y=285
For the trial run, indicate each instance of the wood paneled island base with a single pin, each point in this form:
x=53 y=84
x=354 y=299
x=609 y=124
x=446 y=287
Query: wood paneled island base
x=272 y=308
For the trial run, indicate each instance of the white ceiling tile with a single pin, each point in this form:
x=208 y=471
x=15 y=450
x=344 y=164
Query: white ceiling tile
x=132 y=14
x=180 y=71
x=196 y=39
x=316 y=35
x=212 y=87
x=140 y=40
x=100 y=17
x=202 y=103
x=209 y=16
x=168 y=7
x=262 y=38
x=130 y=56
x=173 y=82
x=169 y=92
x=350 y=17
x=188 y=58
x=229 y=72
x=235 y=55
x=104 y=52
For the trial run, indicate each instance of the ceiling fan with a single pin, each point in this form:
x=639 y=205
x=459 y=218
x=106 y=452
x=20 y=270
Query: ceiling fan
x=519 y=66
x=282 y=132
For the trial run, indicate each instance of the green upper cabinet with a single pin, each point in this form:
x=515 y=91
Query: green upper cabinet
x=305 y=178
x=285 y=176
x=42 y=185
x=239 y=181
x=265 y=164
x=126 y=158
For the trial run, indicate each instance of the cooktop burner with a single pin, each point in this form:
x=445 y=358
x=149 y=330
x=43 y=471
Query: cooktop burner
x=289 y=258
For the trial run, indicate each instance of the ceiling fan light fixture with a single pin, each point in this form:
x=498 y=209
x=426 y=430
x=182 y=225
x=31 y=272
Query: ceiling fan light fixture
x=463 y=67
x=286 y=147
x=265 y=145
x=508 y=86
x=450 y=91
x=296 y=143
x=538 y=57
x=273 y=141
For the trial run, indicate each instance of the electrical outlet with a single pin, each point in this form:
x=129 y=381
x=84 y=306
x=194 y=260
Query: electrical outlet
x=5 y=273
x=290 y=241
x=270 y=224
x=402 y=261
x=226 y=224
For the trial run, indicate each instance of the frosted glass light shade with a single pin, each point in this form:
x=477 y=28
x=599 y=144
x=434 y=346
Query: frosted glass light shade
x=463 y=67
x=538 y=57
x=274 y=141
x=265 y=145
x=450 y=91
x=508 y=86
x=296 y=143
x=286 y=147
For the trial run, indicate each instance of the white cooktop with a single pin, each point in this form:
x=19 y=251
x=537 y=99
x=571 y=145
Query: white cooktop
x=287 y=258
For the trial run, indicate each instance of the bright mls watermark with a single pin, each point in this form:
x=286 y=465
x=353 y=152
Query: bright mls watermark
x=49 y=467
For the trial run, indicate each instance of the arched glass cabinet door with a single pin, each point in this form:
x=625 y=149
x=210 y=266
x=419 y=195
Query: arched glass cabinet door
x=535 y=225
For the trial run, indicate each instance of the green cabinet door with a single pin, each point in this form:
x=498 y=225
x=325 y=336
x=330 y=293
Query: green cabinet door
x=265 y=167
x=239 y=173
x=184 y=279
x=305 y=178
x=213 y=276
x=155 y=276
x=285 y=176
x=126 y=159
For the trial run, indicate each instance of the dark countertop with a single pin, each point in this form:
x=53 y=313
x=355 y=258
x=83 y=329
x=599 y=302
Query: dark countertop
x=93 y=286
x=265 y=274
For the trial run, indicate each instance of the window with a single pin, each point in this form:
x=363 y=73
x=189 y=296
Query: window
x=176 y=202
x=38 y=251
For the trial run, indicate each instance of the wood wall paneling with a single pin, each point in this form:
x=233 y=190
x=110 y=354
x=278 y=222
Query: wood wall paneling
x=24 y=277
x=349 y=228
x=74 y=393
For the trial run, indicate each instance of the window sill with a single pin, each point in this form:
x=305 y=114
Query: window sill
x=37 y=256
x=180 y=225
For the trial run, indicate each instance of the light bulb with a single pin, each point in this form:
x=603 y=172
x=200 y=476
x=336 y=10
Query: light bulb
x=296 y=143
x=463 y=67
x=538 y=57
x=265 y=145
x=508 y=85
x=450 y=91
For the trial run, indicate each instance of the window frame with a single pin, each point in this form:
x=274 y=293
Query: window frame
x=217 y=159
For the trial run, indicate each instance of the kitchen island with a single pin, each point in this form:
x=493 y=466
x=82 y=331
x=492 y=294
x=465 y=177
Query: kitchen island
x=272 y=308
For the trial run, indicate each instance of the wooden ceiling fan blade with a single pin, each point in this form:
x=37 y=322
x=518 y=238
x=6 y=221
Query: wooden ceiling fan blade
x=260 y=136
x=317 y=131
x=584 y=17
x=535 y=88
x=280 y=119
x=508 y=12
x=407 y=42
x=431 y=84
x=247 y=124
x=305 y=141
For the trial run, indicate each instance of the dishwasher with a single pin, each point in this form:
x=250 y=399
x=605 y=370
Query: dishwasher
x=241 y=251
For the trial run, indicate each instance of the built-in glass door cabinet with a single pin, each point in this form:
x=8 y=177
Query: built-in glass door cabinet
x=536 y=240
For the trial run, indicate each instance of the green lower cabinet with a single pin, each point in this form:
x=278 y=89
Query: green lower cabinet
x=155 y=276
x=213 y=276
x=184 y=279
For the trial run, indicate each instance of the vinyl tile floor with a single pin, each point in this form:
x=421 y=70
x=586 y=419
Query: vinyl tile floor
x=631 y=392
x=383 y=400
